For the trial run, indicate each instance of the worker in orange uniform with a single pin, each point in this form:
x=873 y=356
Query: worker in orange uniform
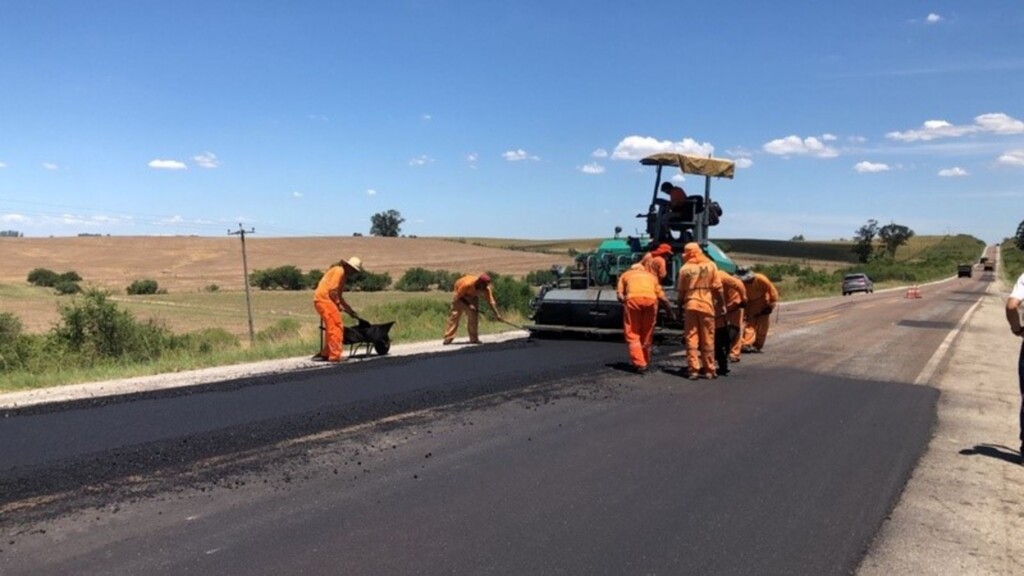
x=762 y=296
x=329 y=301
x=654 y=261
x=701 y=298
x=640 y=292
x=729 y=326
x=466 y=301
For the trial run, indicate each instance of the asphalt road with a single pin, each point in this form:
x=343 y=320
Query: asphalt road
x=529 y=457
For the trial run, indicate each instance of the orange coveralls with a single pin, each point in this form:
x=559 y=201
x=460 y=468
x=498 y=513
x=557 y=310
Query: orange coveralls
x=735 y=301
x=762 y=296
x=466 y=301
x=640 y=292
x=327 y=301
x=700 y=298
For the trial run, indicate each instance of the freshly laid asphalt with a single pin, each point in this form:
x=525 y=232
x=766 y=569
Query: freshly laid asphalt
x=530 y=456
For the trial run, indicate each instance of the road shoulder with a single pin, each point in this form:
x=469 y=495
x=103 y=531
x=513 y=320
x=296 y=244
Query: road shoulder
x=962 y=512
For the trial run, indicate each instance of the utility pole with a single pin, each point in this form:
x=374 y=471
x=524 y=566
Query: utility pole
x=245 y=271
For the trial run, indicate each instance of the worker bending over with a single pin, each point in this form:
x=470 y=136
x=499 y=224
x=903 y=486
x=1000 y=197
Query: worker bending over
x=762 y=296
x=701 y=298
x=654 y=261
x=640 y=292
x=466 y=301
x=329 y=301
x=729 y=326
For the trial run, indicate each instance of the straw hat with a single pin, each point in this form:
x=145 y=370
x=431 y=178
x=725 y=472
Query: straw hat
x=354 y=263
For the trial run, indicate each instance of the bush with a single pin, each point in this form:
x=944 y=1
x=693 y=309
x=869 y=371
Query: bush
x=65 y=287
x=512 y=294
x=10 y=328
x=313 y=277
x=445 y=280
x=70 y=276
x=96 y=329
x=286 y=277
x=212 y=288
x=43 y=277
x=368 y=282
x=415 y=280
x=144 y=286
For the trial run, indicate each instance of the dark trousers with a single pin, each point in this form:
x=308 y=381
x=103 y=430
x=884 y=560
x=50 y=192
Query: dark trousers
x=1020 y=378
x=726 y=335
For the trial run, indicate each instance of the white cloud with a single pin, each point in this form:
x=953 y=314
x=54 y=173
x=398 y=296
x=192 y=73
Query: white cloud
x=14 y=218
x=50 y=166
x=933 y=18
x=421 y=160
x=167 y=164
x=371 y=192
x=870 y=167
x=599 y=153
x=427 y=117
x=828 y=137
x=2 y=165
x=952 y=172
x=678 y=177
x=993 y=123
x=1012 y=158
x=518 y=155
x=639 y=147
x=856 y=139
x=999 y=123
x=206 y=160
x=296 y=194
x=592 y=168
x=472 y=157
x=743 y=162
x=795 y=146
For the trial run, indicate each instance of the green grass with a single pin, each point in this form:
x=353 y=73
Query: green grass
x=1012 y=262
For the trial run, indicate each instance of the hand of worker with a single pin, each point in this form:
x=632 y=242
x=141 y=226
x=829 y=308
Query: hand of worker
x=767 y=310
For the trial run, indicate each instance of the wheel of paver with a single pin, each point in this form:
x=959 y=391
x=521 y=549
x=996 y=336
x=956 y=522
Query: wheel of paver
x=382 y=347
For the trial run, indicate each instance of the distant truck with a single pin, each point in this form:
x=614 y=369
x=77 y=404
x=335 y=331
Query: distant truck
x=964 y=270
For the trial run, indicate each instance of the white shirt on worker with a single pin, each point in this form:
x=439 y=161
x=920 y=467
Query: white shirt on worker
x=1018 y=289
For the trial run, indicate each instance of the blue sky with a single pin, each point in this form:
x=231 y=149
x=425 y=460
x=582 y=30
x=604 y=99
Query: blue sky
x=507 y=119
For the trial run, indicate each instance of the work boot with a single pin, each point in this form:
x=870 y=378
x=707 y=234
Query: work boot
x=641 y=370
x=747 y=349
x=734 y=358
x=475 y=341
x=693 y=376
x=710 y=375
x=446 y=341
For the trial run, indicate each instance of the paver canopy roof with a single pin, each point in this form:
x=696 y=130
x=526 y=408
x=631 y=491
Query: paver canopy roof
x=703 y=165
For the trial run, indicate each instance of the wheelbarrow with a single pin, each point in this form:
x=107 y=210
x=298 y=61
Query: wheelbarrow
x=368 y=335
x=364 y=334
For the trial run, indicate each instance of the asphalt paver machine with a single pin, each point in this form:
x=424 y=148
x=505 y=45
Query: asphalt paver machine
x=582 y=300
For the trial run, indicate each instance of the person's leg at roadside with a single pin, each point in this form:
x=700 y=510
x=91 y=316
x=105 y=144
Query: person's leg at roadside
x=648 y=316
x=722 y=350
x=632 y=319
x=458 y=307
x=333 y=330
x=761 y=332
x=691 y=338
x=1020 y=378
x=707 y=345
x=473 y=322
x=737 y=339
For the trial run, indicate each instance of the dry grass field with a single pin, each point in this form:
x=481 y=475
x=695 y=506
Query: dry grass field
x=186 y=265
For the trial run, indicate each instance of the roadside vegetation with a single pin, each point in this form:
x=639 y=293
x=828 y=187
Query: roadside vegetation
x=143 y=330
